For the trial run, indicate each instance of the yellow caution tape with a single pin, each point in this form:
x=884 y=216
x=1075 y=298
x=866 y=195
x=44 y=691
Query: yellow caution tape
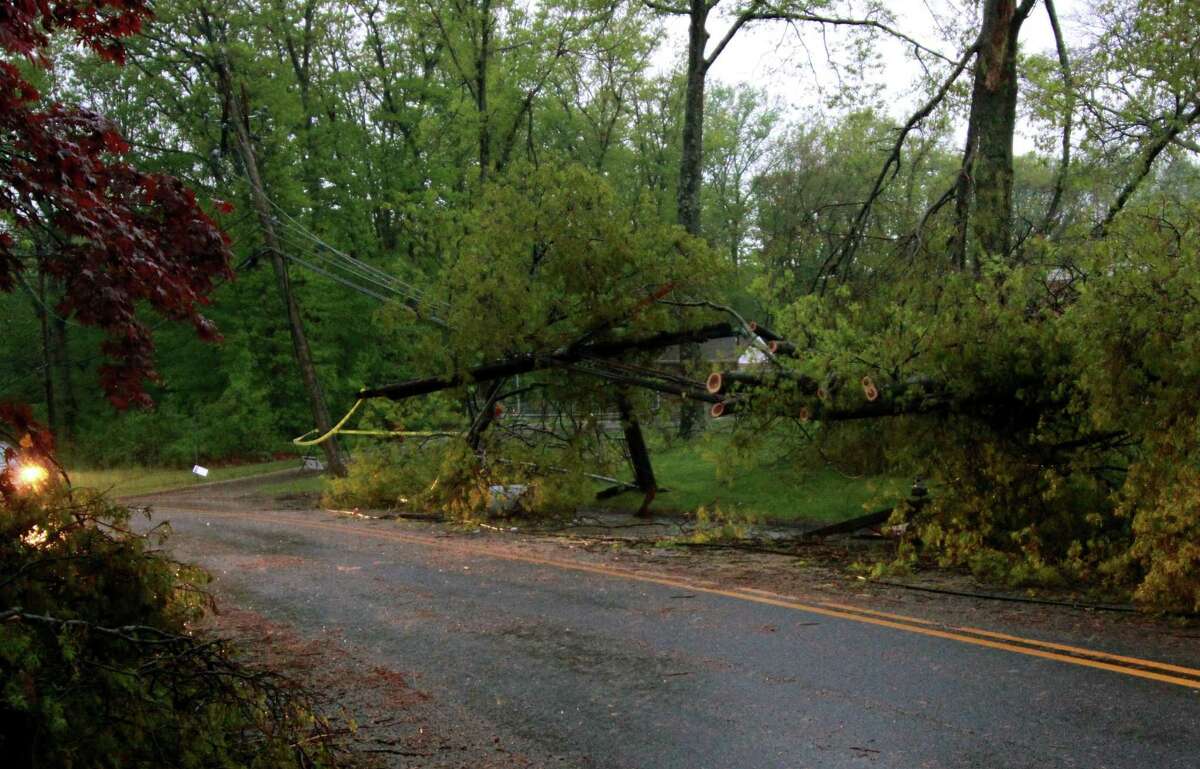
x=338 y=429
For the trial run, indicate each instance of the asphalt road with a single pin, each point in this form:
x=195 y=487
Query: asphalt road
x=605 y=670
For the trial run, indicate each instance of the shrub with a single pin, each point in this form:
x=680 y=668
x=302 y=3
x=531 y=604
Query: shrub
x=98 y=662
x=446 y=477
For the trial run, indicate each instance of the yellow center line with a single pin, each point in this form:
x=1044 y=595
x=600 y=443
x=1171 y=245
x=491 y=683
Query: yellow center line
x=1030 y=641
x=837 y=611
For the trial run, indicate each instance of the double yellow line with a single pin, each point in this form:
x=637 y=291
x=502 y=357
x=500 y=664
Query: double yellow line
x=1163 y=672
x=1049 y=650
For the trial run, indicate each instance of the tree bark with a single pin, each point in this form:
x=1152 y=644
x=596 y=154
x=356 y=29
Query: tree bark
x=483 y=55
x=300 y=59
x=984 y=194
x=524 y=364
x=1064 y=164
x=639 y=456
x=691 y=161
x=68 y=405
x=262 y=206
x=691 y=168
x=47 y=355
x=487 y=414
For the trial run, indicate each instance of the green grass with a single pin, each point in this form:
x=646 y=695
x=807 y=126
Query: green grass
x=131 y=481
x=762 y=491
x=306 y=484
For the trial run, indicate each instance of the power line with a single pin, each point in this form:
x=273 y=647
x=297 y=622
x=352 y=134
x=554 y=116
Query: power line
x=350 y=263
x=372 y=288
x=336 y=278
x=411 y=296
x=338 y=259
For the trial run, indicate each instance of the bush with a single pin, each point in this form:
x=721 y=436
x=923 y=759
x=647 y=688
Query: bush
x=99 y=666
x=447 y=478
x=385 y=477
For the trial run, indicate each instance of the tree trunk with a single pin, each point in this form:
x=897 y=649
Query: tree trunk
x=68 y=405
x=984 y=196
x=487 y=414
x=262 y=206
x=691 y=169
x=40 y=307
x=691 y=162
x=481 y=86
x=639 y=456
x=300 y=58
x=523 y=364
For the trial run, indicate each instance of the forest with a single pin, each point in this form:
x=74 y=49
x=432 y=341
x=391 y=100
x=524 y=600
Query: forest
x=985 y=278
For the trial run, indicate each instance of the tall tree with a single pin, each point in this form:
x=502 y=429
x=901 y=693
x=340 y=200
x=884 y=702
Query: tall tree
x=119 y=236
x=983 y=198
x=982 y=192
x=699 y=61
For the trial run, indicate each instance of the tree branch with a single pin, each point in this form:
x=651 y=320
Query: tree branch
x=1064 y=66
x=741 y=21
x=891 y=166
x=1187 y=144
x=670 y=9
x=1173 y=126
x=838 y=21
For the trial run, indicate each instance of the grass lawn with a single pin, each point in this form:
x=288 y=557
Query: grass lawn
x=305 y=484
x=761 y=492
x=130 y=481
x=764 y=492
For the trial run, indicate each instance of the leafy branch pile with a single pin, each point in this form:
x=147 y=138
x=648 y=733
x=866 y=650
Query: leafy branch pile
x=100 y=665
x=1052 y=408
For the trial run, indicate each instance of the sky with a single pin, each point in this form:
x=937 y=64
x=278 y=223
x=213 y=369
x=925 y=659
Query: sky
x=793 y=69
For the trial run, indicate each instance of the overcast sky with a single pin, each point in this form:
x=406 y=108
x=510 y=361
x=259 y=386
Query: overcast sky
x=790 y=64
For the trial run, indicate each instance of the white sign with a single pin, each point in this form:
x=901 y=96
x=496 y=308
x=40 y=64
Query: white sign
x=200 y=471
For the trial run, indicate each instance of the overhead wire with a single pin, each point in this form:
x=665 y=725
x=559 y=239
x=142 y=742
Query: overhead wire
x=352 y=262
x=337 y=278
x=313 y=255
x=361 y=269
x=335 y=257
x=312 y=259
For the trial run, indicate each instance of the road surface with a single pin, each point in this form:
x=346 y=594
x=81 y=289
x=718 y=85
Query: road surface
x=597 y=667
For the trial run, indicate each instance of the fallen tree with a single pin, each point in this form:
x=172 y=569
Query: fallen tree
x=1058 y=434
x=524 y=364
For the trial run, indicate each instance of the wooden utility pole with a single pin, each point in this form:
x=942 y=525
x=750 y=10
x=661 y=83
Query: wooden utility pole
x=262 y=205
x=639 y=457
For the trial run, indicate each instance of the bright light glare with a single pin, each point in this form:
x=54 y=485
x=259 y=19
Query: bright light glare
x=36 y=537
x=31 y=475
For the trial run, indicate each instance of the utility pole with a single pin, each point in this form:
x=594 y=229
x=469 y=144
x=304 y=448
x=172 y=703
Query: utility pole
x=262 y=205
x=639 y=457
